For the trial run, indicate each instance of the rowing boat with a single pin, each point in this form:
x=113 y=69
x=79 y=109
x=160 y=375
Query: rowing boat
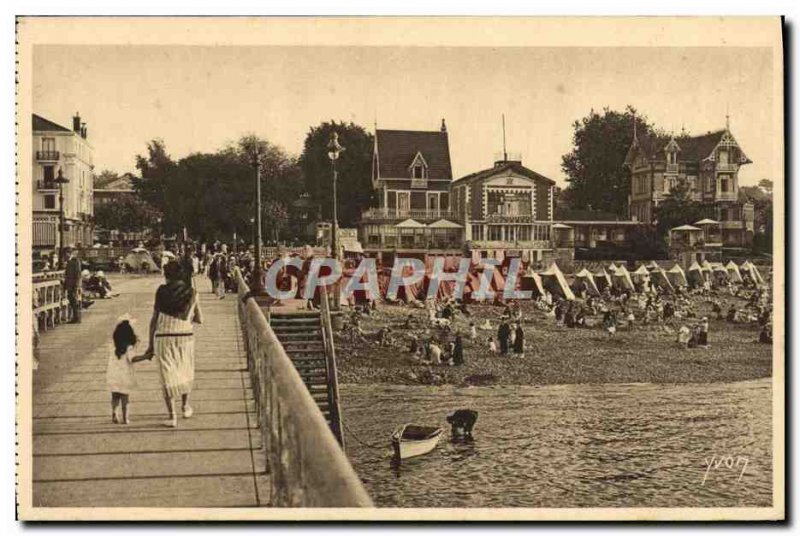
x=409 y=440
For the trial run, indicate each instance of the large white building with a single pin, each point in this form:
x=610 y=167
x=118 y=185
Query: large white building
x=58 y=148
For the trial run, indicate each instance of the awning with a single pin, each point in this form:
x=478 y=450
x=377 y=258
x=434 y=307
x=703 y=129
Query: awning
x=410 y=224
x=706 y=221
x=686 y=228
x=561 y=226
x=442 y=224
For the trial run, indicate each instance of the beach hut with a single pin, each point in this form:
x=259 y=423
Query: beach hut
x=695 y=275
x=621 y=278
x=659 y=277
x=139 y=258
x=677 y=276
x=733 y=272
x=585 y=277
x=602 y=279
x=554 y=281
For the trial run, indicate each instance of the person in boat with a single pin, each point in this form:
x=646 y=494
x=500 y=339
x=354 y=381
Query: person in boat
x=462 y=422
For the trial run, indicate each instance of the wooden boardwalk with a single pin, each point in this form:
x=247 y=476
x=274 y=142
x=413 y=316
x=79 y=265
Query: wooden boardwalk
x=81 y=459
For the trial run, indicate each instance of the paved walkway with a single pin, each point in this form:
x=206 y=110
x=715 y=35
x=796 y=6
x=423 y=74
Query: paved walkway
x=81 y=459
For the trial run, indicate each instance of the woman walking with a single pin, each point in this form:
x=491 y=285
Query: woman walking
x=172 y=341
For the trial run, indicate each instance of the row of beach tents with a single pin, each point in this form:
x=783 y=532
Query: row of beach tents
x=551 y=280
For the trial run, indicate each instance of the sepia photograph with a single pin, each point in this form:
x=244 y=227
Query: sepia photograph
x=400 y=268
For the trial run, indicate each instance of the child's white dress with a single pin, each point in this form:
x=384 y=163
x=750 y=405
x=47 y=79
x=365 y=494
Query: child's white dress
x=120 y=374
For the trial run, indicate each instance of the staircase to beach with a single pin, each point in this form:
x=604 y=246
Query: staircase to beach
x=307 y=338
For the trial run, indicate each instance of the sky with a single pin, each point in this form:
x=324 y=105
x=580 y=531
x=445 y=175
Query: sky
x=200 y=98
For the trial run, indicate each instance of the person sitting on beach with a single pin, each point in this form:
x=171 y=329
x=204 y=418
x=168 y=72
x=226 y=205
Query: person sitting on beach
x=492 y=346
x=765 y=334
x=463 y=308
x=684 y=334
x=731 y=317
x=702 y=339
x=610 y=322
x=435 y=353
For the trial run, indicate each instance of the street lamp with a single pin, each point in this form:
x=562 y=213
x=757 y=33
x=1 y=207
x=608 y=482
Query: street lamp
x=257 y=288
x=334 y=150
x=61 y=180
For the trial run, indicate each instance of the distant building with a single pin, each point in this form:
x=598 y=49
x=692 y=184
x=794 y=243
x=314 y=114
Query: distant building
x=600 y=231
x=304 y=214
x=506 y=210
x=708 y=163
x=58 y=148
x=110 y=190
x=411 y=174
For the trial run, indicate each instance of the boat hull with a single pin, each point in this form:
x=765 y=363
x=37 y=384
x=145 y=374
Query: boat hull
x=409 y=448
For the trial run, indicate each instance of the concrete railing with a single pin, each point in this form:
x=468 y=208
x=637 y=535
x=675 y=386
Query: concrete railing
x=306 y=464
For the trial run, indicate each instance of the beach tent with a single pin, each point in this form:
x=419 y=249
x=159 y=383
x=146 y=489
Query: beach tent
x=533 y=282
x=659 y=276
x=554 y=281
x=621 y=278
x=612 y=268
x=750 y=269
x=641 y=274
x=677 y=276
x=707 y=269
x=733 y=272
x=719 y=273
x=407 y=293
x=140 y=257
x=602 y=279
x=585 y=276
x=653 y=266
x=695 y=274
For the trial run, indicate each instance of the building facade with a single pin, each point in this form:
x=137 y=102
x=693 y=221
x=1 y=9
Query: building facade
x=411 y=174
x=108 y=191
x=506 y=209
x=57 y=148
x=709 y=164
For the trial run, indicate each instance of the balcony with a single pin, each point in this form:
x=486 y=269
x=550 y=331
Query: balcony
x=672 y=168
x=731 y=224
x=519 y=244
x=419 y=183
x=414 y=214
x=48 y=156
x=727 y=167
x=725 y=196
x=43 y=186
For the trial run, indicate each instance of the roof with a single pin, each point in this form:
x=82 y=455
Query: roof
x=686 y=228
x=397 y=149
x=444 y=224
x=121 y=182
x=410 y=224
x=513 y=166
x=572 y=214
x=40 y=124
x=706 y=221
x=692 y=148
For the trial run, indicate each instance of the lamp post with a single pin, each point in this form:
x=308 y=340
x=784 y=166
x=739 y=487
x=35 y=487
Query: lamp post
x=257 y=288
x=61 y=180
x=334 y=150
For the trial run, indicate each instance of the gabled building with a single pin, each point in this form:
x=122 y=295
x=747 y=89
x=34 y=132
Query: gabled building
x=411 y=174
x=57 y=148
x=506 y=209
x=708 y=163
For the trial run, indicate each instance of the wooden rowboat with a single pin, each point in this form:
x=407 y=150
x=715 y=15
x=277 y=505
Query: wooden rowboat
x=409 y=440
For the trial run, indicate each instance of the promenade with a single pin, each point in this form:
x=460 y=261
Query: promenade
x=80 y=458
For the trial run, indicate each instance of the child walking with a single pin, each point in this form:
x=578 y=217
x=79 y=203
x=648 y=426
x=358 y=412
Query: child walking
x=119 y=374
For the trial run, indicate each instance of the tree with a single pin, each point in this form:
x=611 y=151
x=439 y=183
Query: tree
x=275 y=217
x=354 y=167
x=128 y=213
x=678 y=208
x=155 y=170
x=104 y=177
x=594 y=167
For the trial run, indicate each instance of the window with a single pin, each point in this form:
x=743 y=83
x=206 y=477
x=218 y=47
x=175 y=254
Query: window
x=433 y=202
x=49 y=174
x=495 y=232
x=49 y=201
x=477 y=232
x=403 y=201
x=723 y=156
x=724 y=184
x=418 y=172
x=692 y=180
x=48 y=145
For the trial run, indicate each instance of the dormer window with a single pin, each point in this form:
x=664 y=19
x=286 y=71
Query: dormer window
x=419 y=168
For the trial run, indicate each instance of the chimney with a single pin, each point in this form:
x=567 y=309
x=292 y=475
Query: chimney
x=444 y=127
x=76 y=123
x=83 y=130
